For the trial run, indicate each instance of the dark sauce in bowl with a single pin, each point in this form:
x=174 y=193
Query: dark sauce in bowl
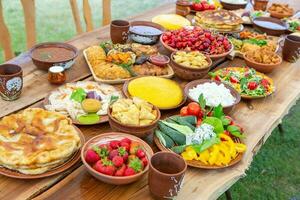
x=52 y=54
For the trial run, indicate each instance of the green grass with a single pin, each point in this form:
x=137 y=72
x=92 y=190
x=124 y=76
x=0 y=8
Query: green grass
x=274 y=172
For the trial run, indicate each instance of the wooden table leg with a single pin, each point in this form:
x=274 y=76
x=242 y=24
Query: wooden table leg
x=228 y=195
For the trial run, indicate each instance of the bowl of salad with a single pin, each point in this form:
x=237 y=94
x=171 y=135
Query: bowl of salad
x=247 y=81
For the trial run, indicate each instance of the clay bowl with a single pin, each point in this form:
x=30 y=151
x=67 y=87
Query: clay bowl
x=66 y=62
x=143 y=38
x=280 y=15
x=138 y=131
x=232 y=6
x=126 y=94
x=170 y=50
x=104 y=138
x=188 y=73
x=264 y=68
x=266 y=28
x=233 y=92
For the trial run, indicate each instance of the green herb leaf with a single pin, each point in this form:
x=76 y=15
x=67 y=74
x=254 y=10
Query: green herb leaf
x=113 y=99
x=212 y=74
x=128 y=68
x=206 y=144
x=202 y=101
x=225 y=121
x=78 y=95
x=216 y=123
x=218 y=111
x=235 y=131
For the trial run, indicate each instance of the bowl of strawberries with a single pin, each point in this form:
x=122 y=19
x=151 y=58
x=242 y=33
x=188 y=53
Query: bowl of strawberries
x=116 y=158
x=193 y=38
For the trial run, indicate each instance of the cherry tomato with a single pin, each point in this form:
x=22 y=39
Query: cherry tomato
x=199 y=122
x=217 y=78
x=212 y=7
x=265 y=83
x=197 y=6
x=184 y=111
x=233 y=79
x=201 y=114
x=252 y=85
x=193 y=109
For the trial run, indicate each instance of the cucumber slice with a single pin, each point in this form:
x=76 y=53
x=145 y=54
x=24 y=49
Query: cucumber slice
x=164 y=139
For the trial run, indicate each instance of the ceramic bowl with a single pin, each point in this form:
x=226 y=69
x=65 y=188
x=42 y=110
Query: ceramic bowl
x=143 y=38
x=45 y=65
x=279 y=15
x=264 y=68
x=266 y=28
x=233 y=92
x=170 y=50
x=233 y=6
x=188 y=73
x=138 y=131
x=104 y=138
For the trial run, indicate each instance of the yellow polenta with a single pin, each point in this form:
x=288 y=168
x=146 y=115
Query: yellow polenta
x=161 y=92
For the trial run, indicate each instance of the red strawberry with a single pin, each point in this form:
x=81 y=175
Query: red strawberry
x=123 y=153
x=131 y=157
x=125 y=145
x=91 y=156
x=121 y=171
x=140 y=153
x=145 y=161
x=98 y=166
x=105 y=166
x=105 y=146
x=113 y=153
x=127 y=140
x=118 y=161
x=129 y=172
x=102 y=152
x=114 y=144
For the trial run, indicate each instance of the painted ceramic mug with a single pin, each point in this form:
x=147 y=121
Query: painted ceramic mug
x=11 y=81
x=291 y=48
x=166 y=174
x=119 y=30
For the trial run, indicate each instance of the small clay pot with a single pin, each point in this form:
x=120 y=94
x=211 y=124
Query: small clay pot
x=183 y=7
x=233 y=6
x=291 y=48
x=119 y=30
x=259 y=4
x=11 y=81
x=166 y=174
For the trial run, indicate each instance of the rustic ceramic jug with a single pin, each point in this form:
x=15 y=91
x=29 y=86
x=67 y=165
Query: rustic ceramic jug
x=166 y=174
x=183 y=8
x=259 y=4
x=119 y=30
x=11 y=81
x=291 y=48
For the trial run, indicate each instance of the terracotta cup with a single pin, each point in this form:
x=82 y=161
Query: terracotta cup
x=11 y=81
x=259 y=4
x=291 y=48
x=166 y=174
x=183 y=8
x=119 y=30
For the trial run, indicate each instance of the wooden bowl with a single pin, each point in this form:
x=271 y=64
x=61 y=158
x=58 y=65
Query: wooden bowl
x=104 y=138
x=126 y=94
x=266 y=28
x=233 y=92
x=170 y=50
x=138 y=131
x=45 y=65
x=188 y=73
x=199 y=164
x=56 y=170
x=232 y=6
x=264 y=68
x=280 y=15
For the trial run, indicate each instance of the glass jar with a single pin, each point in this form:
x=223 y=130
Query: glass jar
x=56 y=75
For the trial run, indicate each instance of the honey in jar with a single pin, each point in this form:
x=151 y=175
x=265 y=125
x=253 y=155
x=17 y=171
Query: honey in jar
x=56 y=75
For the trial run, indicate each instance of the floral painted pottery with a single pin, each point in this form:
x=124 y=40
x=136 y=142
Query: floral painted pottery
x=119 y=30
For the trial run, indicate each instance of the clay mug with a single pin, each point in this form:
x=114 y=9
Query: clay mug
x=183 y=8
x=11 y=81
x=166 y=174
x=119 y=30
x=259 y=4
x=291 y=48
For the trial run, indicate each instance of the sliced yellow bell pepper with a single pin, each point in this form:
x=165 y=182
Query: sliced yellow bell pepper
x=239 y=147
x=204 y=156
x=189 y=154
x=213 y=157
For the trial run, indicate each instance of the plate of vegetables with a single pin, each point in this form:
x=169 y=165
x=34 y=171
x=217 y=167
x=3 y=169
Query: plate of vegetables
x=205 y=137
x=85 y=102
x=247 y=81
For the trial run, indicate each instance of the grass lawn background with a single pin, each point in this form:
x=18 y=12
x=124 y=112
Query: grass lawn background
x=275 y=170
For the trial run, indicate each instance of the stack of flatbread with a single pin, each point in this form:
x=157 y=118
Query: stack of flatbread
x=219 y=20
x=36 y=140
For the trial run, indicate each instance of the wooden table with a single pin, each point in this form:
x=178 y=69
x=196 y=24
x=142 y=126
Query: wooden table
x=258 y=117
